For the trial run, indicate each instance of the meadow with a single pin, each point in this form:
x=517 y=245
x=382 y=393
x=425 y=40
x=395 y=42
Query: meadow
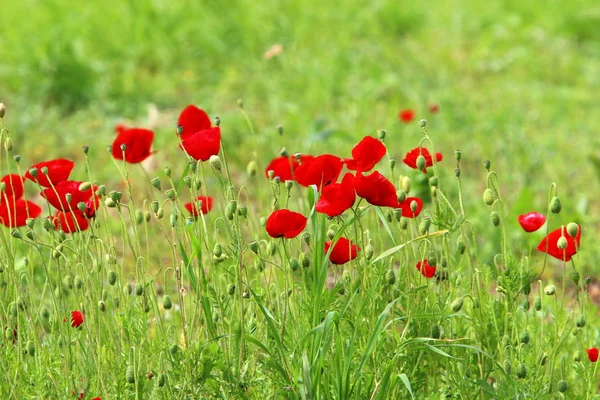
x=394 y=274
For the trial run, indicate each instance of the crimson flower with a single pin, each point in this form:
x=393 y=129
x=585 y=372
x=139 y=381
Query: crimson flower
x=284 y=167
x=14 y=213
x=406 y=116
x=193 y=120
x=285 y=223
x=319 y=171
x=14 y=187
x=58 y=171
x=434 y=108
x=343 y=251
x=57 y=196
x=205 y=202
x=337 y=197
x=137 y=143
x=365 y=154
x=425 y=269
x=70 y=221
x=532 y=221
x=592 y=354
x=76 y=319
x=549 y=244
x=91 y=207
x=376 y=189
x=406 y=210
x=411 y=158
x=203 y=144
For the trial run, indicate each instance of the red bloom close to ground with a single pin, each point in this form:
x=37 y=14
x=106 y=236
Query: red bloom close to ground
x=207 y=203
x=411 y=158
x=319 y=171
x=284 y=167
x=193 y=120
x=376 y=189
x=285 y=223
x=58 y=171
x=14 y=187
x=425 y=269
x=337 y=197
x=406 y=116
x=137 y=143
x=14 y=213
x=549 y=244
x=532 y=221
x=365 y=154
x=592 y=354
x=343 y=251
x=76 y=319
x=57 y=196
x=406 y=210
x=434 y=108
x=203 y=144
x=70 y=222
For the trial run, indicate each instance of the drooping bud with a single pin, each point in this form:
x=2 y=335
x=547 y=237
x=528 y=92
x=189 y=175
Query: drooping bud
x=524 y=338
x=217 y=250
x=434 y=181
x=563 y=386
x=487 y=164
x=562 y=243
x=280 y=129
x=381 y=134
x=550 y=290
x=424 y=226
x=306 y=237
x=460 y=244
x=421 y=163
x=231 y=289
x=495 y=218
x=390 y=277
x=304 y=260
x=8 y=144
x=215 y=162
x=170 y=193
x=403 y=223
x=243 y=211
x=436 y=331
x=572 y=229
x=167 y=303
x=423 y=123
x=112 y=278
x=521 y=371
x=507 y=366
x=102 y=305
x=231 y=209
x=458 y=155
x=330 y=234
x=254 y=247
x=555 y=205
x=2 y=110
x=130 y=375
x=580 y=321
x=488 y=196
x=156 y=183
x=294 y=264
x=167 y=171
x=271 y=248
x=397 y=214
x=392 y=163
x=405 y=184
x=401 y=196
x=110 y=203
x=78 y=282
x=457 y=304
x=537 y=303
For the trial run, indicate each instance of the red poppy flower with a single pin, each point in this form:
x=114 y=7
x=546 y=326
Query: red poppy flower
x=406 y=116
x=58 y=171
x=337 y=197
x=14 y=213
x=365 y=154
x=376 y=189
x=285 y=223
x=319 y=171
x=549 y=244
x=532 y=221
x=70 y=222
x=57 y=196
x=405 y=206
x=76 y=319
x=193 y=120
x=137 y=143
x=411 y=157
x=207 y=203
x=284 y=167
x=91 y=207
x=592 y=354
x=425 y=269
x=203 y=144
x=434 y=108
x=343 y=251
x=14 y=187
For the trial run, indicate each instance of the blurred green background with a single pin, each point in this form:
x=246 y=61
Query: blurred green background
x=517 y=82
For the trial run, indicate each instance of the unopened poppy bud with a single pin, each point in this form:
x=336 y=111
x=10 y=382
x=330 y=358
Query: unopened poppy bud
x=405 y=184
x=432 y=259
x=112 y=278
x=85 y=186
x=280 y=129
x=401 y=196
x=563 y=386
x=413 y=206
x=423 y=123
x=271 y=248
x=487 y=164
x=115 y=196
x=263 y=221
x=16 y=234
x=101 y=190
x=217 y=250
x=243 y=211
x=46 y=224
x=110 y=203
x=294 y=264
x=436 y=331
x=156 y=183
x=524 y=338
x=457 y=172
x=230 y=210
x=215 y=162
x=457 y=304
x=562 y=243
x=555 y=205
x=421 y=163
x=403 y=223
x=160 y=213
x=577 y=356
x=521 y=371
x=30 y=222
x=17 y=158
x=289 y=184
x=392 y=163
x=30 y=235
x=550 y=290
x=170 y=193
x=231 y=289
x=381 y=134
x=154 y=206
x=495 y=218
x=507 y=366
x=167 y=303
x=78 y=282
x=8 y=144
x=424 y=226
x=30 y=348
x=254 y=247
x=369 y=251
x=81 y=206
x=68 y=197
x=390 y=277
x=434 y=181
x=260 y=265
x=458 y=155
x=488 y=196
x=283 y=152
x=173 y=219
x=575 y=277
x=537 y=303
x=304 y=260
x=85 y=149
x=102 y=305
x=271 y=174
x=2 y=110
x=460 y=244
x=139 y=289
x=306 y=237
x=130 y=375
x=139 y=216
x=330 y=234
x=397 y=214
x=572 y=229
x=580 y=321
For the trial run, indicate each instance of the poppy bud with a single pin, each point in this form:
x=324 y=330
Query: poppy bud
x=330 y=234
x=263 y=221
x=507 y=366
x=563 y=386
x=537 y=303
x=495 y=218
x=167 y=303
x=421 y=163
x=230 y=209
x=488 y=196
x=170 y=193
x=401 y=196
x=413 y=206
x=156 y=183
x=243 y=211
x=112 y=278
x=403 y=223
x=8 y=144
x=167 y=171
x=555 y=205
x=260 y=265
x=304 y=260
x=550 y=290
x=130 y=375
x=390 y=277
x=487 y=164
x=306 y=237
x=432 y=259
x=102 y=305
x=457 y=173
x=139 y=289
x=521 y=371
x=405 y=184
x=215 y=162
x=139 y=216
x=544 y=359
x=434 y=181
x=580 y=321
x=254 y=247
x=457 y=304
x=289 y=184
x=30 y=348
x=110 y=203
x=78 y=282
x=424 y=226
x=16 y=234
x=251 y=168
x=154 y=206
x=217 y=250
x=271 y=174
x=160 y=213
x=81 y=206
x=392 y=163
x=162 y=379
x=575 y=277
x=460 y=244
x=101 y=190
x=2 y=110
x=562 y=243
x=30 y=235
x=271 y=248
x=524 y=337
x=231 y=289
x=572 y=229
x=436 y=331
x=381 y=134
x=423 y=123
x=294 y=264
x=283 y=152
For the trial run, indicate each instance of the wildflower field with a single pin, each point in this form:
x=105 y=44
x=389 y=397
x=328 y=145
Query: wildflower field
x=265 y=200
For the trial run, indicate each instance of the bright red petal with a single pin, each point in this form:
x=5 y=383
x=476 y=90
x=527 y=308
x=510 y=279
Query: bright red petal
x=366 y=154
x=137 y=141
x=57 y=196
x=425 y=269
x=203 y=144
x=14 y=187
x=532 y=221
x=319 y=171
x=376 y=189
x=285 y=223
x=193 y=120
x=343 y=251
x=15 y=213
x=337 y=197
x=549 y=244
x=58 y=171
x=207 y=203
x=70 y=222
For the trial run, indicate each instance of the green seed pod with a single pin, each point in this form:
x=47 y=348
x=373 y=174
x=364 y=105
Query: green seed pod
x=369 y=252
x=562 y=243
x=30 y=348
x=457 y=304
x=495 y=218
x=563 y=386
x=16 y=234
x=254 y=247
x=167 y=303
x=162 y=379
x=424 y=226
x=390 y=277
x=550 y=290
x=524 y=337
x=304 y=260
x=575 y=277
x=139 y=216
x=381 y=134
x=294 y=264
x=487 y=164
x=154 y=206
x=436 y=331
x=434 y=181
x=306 y=238
x=401 y=194
x=156 y=183
x=580 y=321
x=488 y=196
x=555 y=205
x=174 y=349
x=217 y=250
x=112 y=278
x=170 y=193
x=130 y=375
x=521 y=371
x=102 y=305
x=457 y=172
x=30 y=235
x=572 y=229
x=405 y=184
x=78 y=282
x=243 y=211
x=421 y=163
x=215 y=162
x=537 y=303
x=139 y=289
x=289 y=185
x=330 y=234
x=392 y=163
x=251 y=168
x=231 y=289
